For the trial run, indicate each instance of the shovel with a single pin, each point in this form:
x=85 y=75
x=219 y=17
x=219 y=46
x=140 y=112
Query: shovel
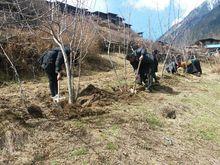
x=133 y=90
x=58 y=98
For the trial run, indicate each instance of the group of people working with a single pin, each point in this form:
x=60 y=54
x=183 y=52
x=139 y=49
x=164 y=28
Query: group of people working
x=190 y=66
x=145 y=66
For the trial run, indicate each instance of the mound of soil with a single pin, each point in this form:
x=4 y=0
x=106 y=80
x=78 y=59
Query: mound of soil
x=70 y=111
x=169 y=113
x=164 y=89
x=35 y=111
x=90 y=103
x=91 y=89
x=92 y=96
x=172 y=110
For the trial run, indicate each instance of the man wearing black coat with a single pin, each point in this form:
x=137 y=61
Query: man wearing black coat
x=146 y=70
x=194 y=67
x=52 y=61
x=155 y=54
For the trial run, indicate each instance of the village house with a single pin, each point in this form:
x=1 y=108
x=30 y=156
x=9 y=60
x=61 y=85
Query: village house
x=101 y=15
x=207 y=41
x=112 y=17
x=127 y=25
x=63 y=7
x=141 y=34
x=211 y=44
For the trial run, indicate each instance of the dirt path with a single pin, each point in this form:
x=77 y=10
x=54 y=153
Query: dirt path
x=176 y=124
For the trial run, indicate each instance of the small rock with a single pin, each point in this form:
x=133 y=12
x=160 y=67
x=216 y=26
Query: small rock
x=125 y=154
x=168 y=141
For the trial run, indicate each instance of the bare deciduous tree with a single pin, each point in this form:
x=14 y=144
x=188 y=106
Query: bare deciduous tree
x=65 y=28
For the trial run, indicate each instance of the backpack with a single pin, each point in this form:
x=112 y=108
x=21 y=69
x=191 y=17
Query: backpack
x=45 y=59
x=41 y=59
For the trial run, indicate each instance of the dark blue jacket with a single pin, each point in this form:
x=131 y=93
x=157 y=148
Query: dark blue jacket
x=147 y=58
x=53 y=59
x=194 y=67
x=147 y=62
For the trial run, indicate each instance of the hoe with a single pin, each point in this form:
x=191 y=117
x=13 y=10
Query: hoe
x=58 y=98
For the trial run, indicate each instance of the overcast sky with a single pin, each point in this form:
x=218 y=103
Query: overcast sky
x=153 y=17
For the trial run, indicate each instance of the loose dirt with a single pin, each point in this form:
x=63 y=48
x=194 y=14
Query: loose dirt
x=178 y=123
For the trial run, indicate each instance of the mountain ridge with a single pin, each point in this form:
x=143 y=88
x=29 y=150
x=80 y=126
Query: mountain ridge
x=200 y=23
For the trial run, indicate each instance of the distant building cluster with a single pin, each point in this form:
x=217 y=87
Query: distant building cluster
x=211 y=44
x=112 y=17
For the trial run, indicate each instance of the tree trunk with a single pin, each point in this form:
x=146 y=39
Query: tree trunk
x=69 y=77
x=68 y=72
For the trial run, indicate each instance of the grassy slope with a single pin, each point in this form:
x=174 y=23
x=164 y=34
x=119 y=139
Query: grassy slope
x=134 y=131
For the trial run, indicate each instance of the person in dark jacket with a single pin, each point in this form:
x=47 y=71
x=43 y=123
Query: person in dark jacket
x=192 y=66
x=52 y=62
x=155 y=54
x=171 y=67
x=146 y=70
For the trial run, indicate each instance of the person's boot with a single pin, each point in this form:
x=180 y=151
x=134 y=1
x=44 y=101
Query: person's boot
x=199 y=74
x=55 y=97
x=156 y=81
x=148 y=90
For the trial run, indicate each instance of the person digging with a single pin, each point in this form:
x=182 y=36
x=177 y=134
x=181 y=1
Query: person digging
x=191 y=66
x=143 y=65
x=51 y=61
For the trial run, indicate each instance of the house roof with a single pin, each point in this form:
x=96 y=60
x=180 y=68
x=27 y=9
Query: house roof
x=113 y=14
x=126 y=24
x=212 y=46
x=118 y=17
x=207 y=39
x=98 y=12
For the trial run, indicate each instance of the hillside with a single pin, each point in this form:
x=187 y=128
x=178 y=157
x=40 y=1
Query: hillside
x=25 y=36
x=177 y=123
x=202 y=22
x=113 y=120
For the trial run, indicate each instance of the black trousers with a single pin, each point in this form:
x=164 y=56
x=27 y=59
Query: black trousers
x=150 y=76
x=194 y=67
x=52 y=76
x=198 y=66
x=147 y=74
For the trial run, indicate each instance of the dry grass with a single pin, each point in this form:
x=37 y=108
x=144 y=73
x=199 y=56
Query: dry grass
x=132 y=132
x=216 y=69
x=25 y=48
